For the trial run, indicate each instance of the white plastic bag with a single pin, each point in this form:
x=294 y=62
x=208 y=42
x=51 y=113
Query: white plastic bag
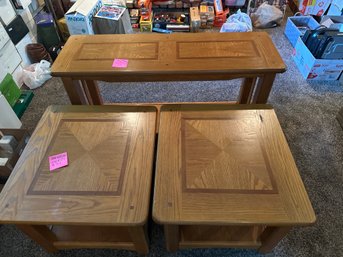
x=36 y=74
x=267 y=16
x=238 y=22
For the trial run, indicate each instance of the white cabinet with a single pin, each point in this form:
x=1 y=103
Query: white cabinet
x=4 y=38
x=8 y=118
x=9 y=59
x=21 y=47
x=7 y=12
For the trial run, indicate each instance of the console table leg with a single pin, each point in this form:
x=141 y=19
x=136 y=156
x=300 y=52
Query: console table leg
x=139 y=236
x=75 y=91
x=87 y=93
x=172 y=237
x=271 y=236
x=263 y=88
x=247 y=88
x=41 y=234
x=94 y=92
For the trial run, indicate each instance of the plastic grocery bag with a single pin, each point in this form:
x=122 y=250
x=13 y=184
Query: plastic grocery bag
x=36 y=74
x=267 y=16
x=238 y=22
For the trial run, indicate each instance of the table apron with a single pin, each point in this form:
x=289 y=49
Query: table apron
x=165 y=77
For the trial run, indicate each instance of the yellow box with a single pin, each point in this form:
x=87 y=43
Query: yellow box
x=62 y=25
x=145 y=23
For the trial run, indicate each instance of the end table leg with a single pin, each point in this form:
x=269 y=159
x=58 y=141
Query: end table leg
x=75 y=91
x=172 y=235
x=247 y=88
x=94 y=92
x=41 y=234
x=271 y=236
x=263 y=88
x=139 y=236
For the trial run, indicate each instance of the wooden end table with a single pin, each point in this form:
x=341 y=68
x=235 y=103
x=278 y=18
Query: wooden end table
x=225 y=177
x=101 y=199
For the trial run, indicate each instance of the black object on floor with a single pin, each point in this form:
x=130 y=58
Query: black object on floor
x=17 y=29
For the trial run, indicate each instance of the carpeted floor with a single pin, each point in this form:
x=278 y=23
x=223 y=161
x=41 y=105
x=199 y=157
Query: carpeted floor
x=307 y=114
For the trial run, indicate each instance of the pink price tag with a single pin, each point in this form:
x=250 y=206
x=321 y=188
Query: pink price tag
x=120 y=63
x=58 y=161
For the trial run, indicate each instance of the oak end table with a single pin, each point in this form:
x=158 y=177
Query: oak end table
x=225 y=177
x=101 y=199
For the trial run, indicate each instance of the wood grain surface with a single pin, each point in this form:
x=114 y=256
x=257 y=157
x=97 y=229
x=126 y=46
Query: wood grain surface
x=107 y=182
x=194 y=236
x=154 y=57
x=226 y=165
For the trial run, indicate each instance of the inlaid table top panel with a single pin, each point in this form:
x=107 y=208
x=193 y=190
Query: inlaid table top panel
x=110 y=152
x=226 y=165
x=157 y=54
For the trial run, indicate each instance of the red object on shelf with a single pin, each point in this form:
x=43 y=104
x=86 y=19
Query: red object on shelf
x=220 y=19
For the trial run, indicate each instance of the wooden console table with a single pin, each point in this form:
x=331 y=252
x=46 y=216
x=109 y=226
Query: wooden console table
x=173 y=57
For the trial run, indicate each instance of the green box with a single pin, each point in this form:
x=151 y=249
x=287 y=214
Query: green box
x=23 y=102
x=9 y=89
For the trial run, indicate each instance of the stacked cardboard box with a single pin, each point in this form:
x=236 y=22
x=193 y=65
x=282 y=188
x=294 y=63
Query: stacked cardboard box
x=80 y=15
x=145 y=22
x=131 y=3
x=195 y=19
x=62 y=25
x=206 y=16
x=313 y=7
x=220 y=19
x=145 y=7
x=178 y=4
x=134 y=16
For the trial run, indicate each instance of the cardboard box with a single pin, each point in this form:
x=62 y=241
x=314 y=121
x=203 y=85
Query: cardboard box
x=314 y=7
x=80 y=16
x=9 y=89
x=109 y=26
x=178 y=4
x=145 y=23
x=219 y=20
x=174 y=21
x=235 y=2
x=315 y=69
x=336 y=8
x=22 y=137
x=292 y=31
x=134 y=16
x=218 y=7
x=62 y=25
x=129 y=3
x=333 y=22
x=206 y=16
x=195 y=19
